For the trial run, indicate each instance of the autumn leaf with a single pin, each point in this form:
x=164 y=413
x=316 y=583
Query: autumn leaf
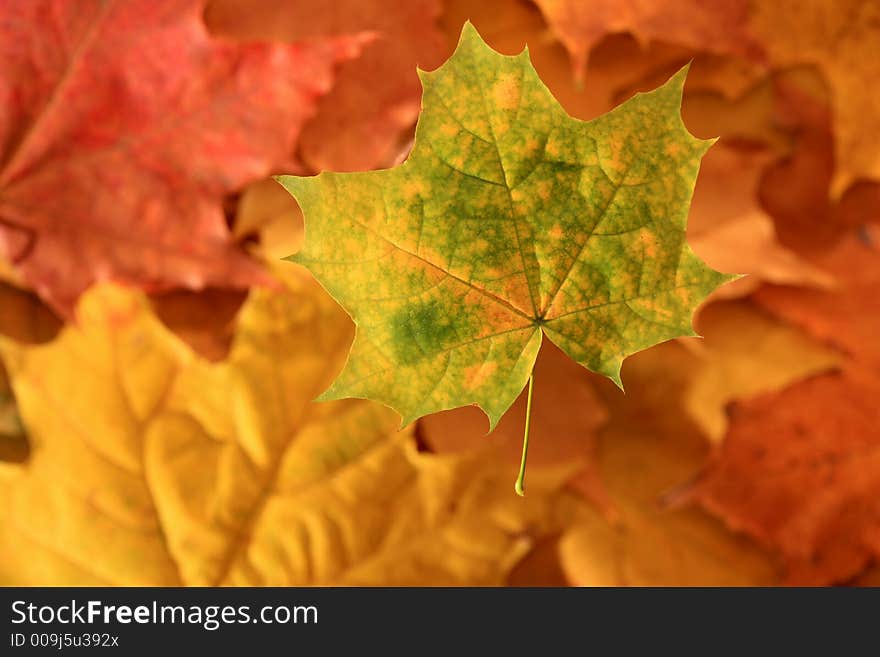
x=508 y=221
x=723 y=96
x=745 y=352
x=113 y=161
x=798 y=469
x=841 y=38
x=729 y=230
x=728 y=225
x=618 y=69
x=795 y=190
x=179 y=471
x=746 y=118
x=376 y=97
x=810 y=490
x=646 y=450
x=716 y=27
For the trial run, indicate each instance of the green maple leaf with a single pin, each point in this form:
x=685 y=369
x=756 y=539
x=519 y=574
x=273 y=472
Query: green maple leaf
x=509 y=221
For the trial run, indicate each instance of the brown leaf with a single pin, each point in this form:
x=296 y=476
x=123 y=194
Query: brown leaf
x=799 y=470
x=14 y=445
x=795 y=189
x=204 y=320
x=24 y=318
x=849 y=316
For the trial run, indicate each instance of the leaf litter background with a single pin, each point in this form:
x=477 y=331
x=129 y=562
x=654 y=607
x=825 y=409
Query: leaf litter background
x=159 y=361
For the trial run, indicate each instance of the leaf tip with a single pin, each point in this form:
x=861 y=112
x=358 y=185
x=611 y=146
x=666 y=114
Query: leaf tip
x=468 y=31
x=493 y=417
x=678 y=78
x=470 y=40
x=288 y=182
x=406 y=420
x=615 y=378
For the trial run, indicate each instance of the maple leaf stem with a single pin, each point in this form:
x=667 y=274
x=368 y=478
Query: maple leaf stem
x=519 y=486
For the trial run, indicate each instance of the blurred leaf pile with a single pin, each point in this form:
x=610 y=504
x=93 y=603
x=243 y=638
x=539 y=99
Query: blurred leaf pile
x=159 y=362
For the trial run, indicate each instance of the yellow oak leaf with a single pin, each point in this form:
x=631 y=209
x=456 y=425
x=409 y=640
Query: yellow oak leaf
x=154 y=466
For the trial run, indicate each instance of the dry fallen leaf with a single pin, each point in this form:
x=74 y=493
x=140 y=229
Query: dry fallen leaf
x=619 y=67
x=859 y=206
x=799 y=471
x=729 y=230
x=847 y=317
x=376 y=97
x=744 y=119
x=799 y=468
x=647 y=450
x=718 y=27
x=795 y=189
x=841 y=38
x=114 y=163
x=154 y=466
x=871 y=577
x=745 y=352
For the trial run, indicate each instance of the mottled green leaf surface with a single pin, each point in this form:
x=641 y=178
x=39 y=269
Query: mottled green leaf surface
x=510 y=220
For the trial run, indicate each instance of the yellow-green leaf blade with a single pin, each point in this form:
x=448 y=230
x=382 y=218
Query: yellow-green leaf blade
x=509 y=220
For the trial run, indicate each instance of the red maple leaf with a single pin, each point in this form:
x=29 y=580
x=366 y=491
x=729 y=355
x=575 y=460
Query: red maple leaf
x=123 y=124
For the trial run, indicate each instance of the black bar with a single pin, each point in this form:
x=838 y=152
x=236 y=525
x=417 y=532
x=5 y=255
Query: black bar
x=463 y=621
